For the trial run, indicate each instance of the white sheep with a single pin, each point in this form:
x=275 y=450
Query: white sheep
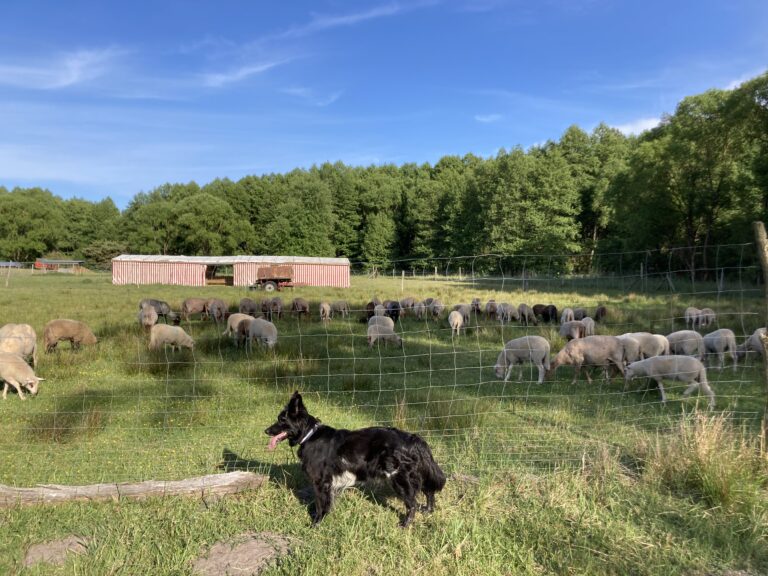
x=384 y=321
x=262 y=331
x=340 y=307
x=589 y=326
x=601 y=351
x=19 y=339
x=465 y=310
x=491 y=310
x=217 y=309
x=692 y=317
x=435 y=308
x=14 y=371
x=379 y=310
x=718 y=343
x=686 y=343
x=651 y=344
x=682 y=368
x=567 y=316
x=326 y=312
x=707 y=318
x=632 y=351
x=419 y=310
x=527 y=317
x=752 y=344
x=163 y=334
x=233 y=322
x=507 y=313
x=533 y=349
x=456 y=322
x=147 y=316
x=572 y=330
x=378 y=332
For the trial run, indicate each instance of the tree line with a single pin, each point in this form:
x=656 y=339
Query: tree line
x=696 y=180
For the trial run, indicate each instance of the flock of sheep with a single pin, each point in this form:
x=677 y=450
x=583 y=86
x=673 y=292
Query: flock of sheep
x=676 y=356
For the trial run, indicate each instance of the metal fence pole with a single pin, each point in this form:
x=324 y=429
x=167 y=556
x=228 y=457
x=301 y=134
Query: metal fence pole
x=762 y=250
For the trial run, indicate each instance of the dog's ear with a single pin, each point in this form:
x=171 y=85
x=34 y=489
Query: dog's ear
x=296 y=405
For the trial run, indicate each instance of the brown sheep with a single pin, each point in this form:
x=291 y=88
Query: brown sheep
x=73 y=330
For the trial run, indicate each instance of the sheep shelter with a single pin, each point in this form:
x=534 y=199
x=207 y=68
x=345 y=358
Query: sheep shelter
x=215 y=270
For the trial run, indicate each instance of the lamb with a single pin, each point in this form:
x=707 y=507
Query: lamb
x=340 y=307
x=506 y=313
x=325 y=312
x=249 y=307
x=300 y=306
x=573 y=329
x=567 y=316
x=14 y=371
x=264 y=332
x=600 y=313
x=692 y=317
x=73 y=330
x=147 y=316
x=682 y=368
x=162 y=335
x=19 y=339
x=243 y=335
x=650 y=344
x=233 y=323
x=527 y=317
x=752 y=344
x=386 y=335
x=456 y=322
x=162 y=308
x=707 y=318
x=686 y=343
x=419 y=310
x=435 y=308
x=593 y=351
x=217 y=309
x=491 y=310
x=589 y=326
x=193 y=306
x=384 y=321
x=533 y=349
x=579 y=313
x=719 y=342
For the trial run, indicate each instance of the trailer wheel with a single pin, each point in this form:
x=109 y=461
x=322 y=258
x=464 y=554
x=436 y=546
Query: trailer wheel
x=270 y=286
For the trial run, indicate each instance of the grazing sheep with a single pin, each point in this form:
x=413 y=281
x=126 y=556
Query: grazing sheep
x=567 y=316
x=377 y=332
x=491 y=310
x=19 y=339
x=393 y=310
x=162 y=335
x=147 y=316
x=533 y=349
x=692 y=317
x=233 y=322
x=370 y=311
x=266 y=307
x=435 y=308
x=217 y=309
x=476 y=306
x=539 y=310
x=601 y=312
x=752 y=344
x=507 y=313
x=340 y=307
x=14 y=371
x=73 y=330
x=243 y=335
x=593 y=351
x=407 y=304
x=419 y=310
x=162 y=308
x=249 y=307
x=527 y=316
x=682 y=368
x=379 y=310
x=300 y=306
x=589 y=326
x=275 y=308
x=707 y=318
x=631 y=346
x=384 y=321
x=573 y=330
x=326 y=313
x=193 y=306
x=456 y=322
x=262 y=331
x=650 y=344
x=686 y=343
x=719 y=342
x=428 y=301
x=465 y=310
x=550 y=313
x=579 y=313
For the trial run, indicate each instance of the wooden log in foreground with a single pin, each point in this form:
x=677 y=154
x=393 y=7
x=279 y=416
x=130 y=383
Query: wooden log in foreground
x=203 y=486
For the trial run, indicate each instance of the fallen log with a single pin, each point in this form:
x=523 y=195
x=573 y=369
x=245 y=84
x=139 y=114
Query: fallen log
x=212 y=485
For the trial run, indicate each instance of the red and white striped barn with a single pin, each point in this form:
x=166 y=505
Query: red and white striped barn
x=197 y=270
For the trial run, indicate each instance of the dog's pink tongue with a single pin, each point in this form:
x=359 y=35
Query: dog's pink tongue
x=273 y=441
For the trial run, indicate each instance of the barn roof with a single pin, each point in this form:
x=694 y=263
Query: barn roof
x=228 y=260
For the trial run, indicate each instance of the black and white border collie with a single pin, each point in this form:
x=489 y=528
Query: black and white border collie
x=336 y=459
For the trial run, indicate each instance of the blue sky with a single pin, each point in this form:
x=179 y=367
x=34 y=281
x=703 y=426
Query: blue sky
x=106 y=98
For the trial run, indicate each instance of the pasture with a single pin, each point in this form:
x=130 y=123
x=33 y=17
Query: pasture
x=551 y=478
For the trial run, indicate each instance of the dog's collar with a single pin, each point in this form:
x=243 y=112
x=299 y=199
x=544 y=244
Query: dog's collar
x=309 y=434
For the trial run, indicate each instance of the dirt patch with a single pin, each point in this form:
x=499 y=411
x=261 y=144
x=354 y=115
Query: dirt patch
x=55 y=552
x=248 y=554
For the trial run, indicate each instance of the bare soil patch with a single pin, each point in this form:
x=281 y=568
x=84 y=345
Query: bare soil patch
x=56 y=551
x=247 y=555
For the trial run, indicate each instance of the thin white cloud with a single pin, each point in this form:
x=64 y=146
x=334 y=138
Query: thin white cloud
x=64 y=70
x=219 y=79
x=310 y=96
x=326 y=22
x=637 y=126
x=733 y=84
x=488 y=118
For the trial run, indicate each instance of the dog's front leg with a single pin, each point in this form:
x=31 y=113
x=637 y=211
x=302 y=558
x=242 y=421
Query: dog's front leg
x=323 y=500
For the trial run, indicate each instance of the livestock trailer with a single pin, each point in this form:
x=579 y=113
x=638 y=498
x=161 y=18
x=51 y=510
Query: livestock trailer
x=202 y=270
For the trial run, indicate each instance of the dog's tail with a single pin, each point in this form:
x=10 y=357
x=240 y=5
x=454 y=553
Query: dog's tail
x=433 y=476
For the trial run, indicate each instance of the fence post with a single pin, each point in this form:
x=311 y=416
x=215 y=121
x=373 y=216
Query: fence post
x=762 y=250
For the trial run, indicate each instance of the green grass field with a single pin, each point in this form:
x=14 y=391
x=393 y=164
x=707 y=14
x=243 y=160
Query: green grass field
x=553 y=478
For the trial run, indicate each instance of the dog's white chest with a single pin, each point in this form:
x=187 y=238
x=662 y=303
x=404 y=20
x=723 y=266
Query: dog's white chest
x=343 y=480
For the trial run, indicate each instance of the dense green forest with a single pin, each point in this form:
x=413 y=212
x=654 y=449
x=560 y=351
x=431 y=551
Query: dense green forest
x=696 y=180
